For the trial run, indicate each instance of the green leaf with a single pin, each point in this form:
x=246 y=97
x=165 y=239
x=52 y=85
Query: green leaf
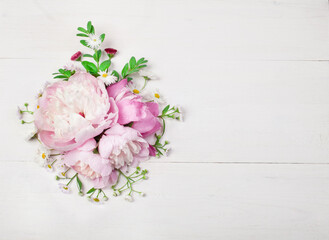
x=97 y=55
x=82 y=35
x=140 y=61
x=89 y=26
x=132 y=62
x=141 y=66
x=92 y=30
x=91 y=190
x=102 y=37
x=84 y=43
x=79 y=183
x=105 y=65
x=60 y=76
x=82 y=30
x=165 y=110
x=88 y=55
x=115 y=73
x=89 y=66
x=129 y=79
x=124 y=70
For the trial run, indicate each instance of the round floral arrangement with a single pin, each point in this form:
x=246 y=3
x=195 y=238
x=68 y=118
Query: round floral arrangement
x=95 y=124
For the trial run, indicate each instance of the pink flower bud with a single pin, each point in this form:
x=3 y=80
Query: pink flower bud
x=76 y=56
x=110 y=51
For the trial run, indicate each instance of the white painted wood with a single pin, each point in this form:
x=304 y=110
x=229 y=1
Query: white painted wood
x=194 y=201
x=206 y=30
x=252 y=76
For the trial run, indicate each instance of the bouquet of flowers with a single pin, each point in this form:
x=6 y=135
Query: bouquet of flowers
x=95 y=124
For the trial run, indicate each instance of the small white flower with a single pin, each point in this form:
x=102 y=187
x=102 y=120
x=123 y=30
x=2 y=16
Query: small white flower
x=19 y=113
x=180 y=114
x=94 y=41
x=148 y=75
x=31 y=131
x=96 y=200
x=129 y=198
x=105 y=198
x=73 y=66
x=64 y=188
x=42 y=156
x=107 y=78
x=166 y=152
x=155 y=96
x=134 y=87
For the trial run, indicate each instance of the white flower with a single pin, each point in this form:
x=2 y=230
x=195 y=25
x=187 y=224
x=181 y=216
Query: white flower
x=116 y=193
x=94 y=41
x=105 y=198
x=146 y=74
x=180 y=114
x=129 y=198
x=42 y=155
x=166 y=152
x=107 y=79
x=31 y=131
x=96 y=200
x=156 y=96
x=19 y=113
x=74 y=66
x=64 y=188
x=135 y=87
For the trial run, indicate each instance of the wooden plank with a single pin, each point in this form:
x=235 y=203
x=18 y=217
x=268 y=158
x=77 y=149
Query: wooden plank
x=194 y=201
x=274 y=111
x=208 y=30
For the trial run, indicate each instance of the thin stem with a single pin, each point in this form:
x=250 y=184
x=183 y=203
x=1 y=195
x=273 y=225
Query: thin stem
x=72 y=179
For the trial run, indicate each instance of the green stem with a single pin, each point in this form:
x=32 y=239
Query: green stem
x=72 y=179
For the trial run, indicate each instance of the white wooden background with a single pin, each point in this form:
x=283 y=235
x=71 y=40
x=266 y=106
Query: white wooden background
x=251 y=161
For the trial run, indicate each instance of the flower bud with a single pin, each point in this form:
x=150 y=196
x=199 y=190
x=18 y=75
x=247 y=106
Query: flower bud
x=76 y=56
x=110 y=51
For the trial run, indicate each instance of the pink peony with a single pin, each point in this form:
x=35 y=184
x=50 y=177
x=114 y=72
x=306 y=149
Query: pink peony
x=91 y=165
x=123 y=146
x=144 y=115
x=71 y=112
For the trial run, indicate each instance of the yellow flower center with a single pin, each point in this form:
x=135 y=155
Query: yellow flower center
x=94 y=39
x=135 y=91
x=43 y=155
x=157 y=95
x=38 y=107
x=65 y=187
x=63 y=174
x=49 y=166
x=104 y=75
x=96 y=199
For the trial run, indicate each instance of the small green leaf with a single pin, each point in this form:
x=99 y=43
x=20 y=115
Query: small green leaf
x=89 y=66
x=82 y=35
x=105 y=65
x=79 y=183
x=141 y=66
x=84 y=43
x=124 y=70
x=60 y=76
x=82 y=30
x=92 y=30
x=89 y=26
x=102 y=37
x=87 y=55
x=132 y=62
x=115 y=73
x=91 y=190
x=140 y=61
x=165 y=110
x=129 y=79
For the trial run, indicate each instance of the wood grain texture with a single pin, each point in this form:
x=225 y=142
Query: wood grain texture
x=249 y=162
